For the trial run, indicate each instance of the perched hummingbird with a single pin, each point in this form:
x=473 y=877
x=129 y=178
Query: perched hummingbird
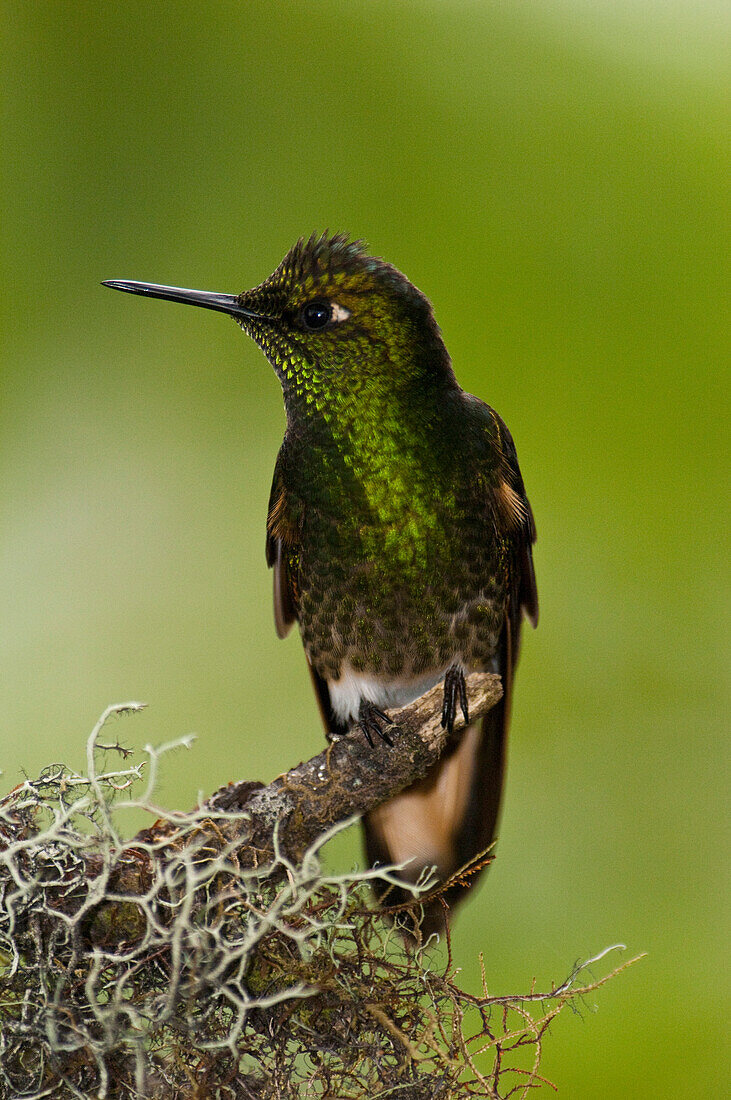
x=398 y=530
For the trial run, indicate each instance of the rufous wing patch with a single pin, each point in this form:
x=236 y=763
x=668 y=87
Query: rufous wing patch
x=279 y=521
x=513 y=507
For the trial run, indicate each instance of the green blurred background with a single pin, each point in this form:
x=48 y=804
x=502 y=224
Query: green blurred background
x=552 y=176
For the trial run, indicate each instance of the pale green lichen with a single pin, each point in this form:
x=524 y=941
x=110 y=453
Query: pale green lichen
x=218 y=980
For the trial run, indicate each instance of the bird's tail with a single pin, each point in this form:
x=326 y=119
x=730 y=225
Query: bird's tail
x=445 y=820
x=448 y=819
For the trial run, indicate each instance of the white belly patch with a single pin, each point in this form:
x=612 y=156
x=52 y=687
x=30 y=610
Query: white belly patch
x=352 y=687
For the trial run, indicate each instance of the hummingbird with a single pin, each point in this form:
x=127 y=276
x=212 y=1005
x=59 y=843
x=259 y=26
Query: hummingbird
x=398 y=531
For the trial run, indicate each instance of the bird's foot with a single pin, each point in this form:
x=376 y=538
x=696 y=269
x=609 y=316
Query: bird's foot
x=455 y=690
x=372 y=719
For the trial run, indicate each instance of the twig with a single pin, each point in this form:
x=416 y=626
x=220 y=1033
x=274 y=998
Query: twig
x=349 y=778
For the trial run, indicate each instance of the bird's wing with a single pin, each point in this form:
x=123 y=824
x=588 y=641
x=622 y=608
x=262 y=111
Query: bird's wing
x=283 y=526
x=513 y=520
x=514 y=523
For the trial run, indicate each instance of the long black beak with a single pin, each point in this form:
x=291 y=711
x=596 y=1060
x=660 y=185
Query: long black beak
x=224 y=303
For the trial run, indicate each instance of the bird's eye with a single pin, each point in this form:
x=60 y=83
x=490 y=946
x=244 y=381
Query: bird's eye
x=316 y=315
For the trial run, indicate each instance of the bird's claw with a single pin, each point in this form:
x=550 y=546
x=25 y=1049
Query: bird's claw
x=370 y=718
x=455 y=690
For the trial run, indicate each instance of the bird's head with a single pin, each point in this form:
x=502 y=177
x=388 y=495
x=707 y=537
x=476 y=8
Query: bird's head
x=332 y=319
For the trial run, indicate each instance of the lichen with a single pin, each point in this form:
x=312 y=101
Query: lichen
x=218 y=979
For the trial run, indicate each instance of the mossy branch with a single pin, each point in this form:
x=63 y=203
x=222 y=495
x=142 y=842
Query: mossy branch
x=211 y=956
x=345 y=780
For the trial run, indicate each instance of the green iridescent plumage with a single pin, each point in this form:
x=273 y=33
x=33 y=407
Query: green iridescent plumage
x=387 y=487
x=398 y=530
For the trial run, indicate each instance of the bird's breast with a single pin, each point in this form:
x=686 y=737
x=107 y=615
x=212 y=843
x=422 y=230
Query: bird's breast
x=399 y=575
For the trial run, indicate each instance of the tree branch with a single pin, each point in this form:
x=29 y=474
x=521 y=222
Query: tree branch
x=349 y=777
